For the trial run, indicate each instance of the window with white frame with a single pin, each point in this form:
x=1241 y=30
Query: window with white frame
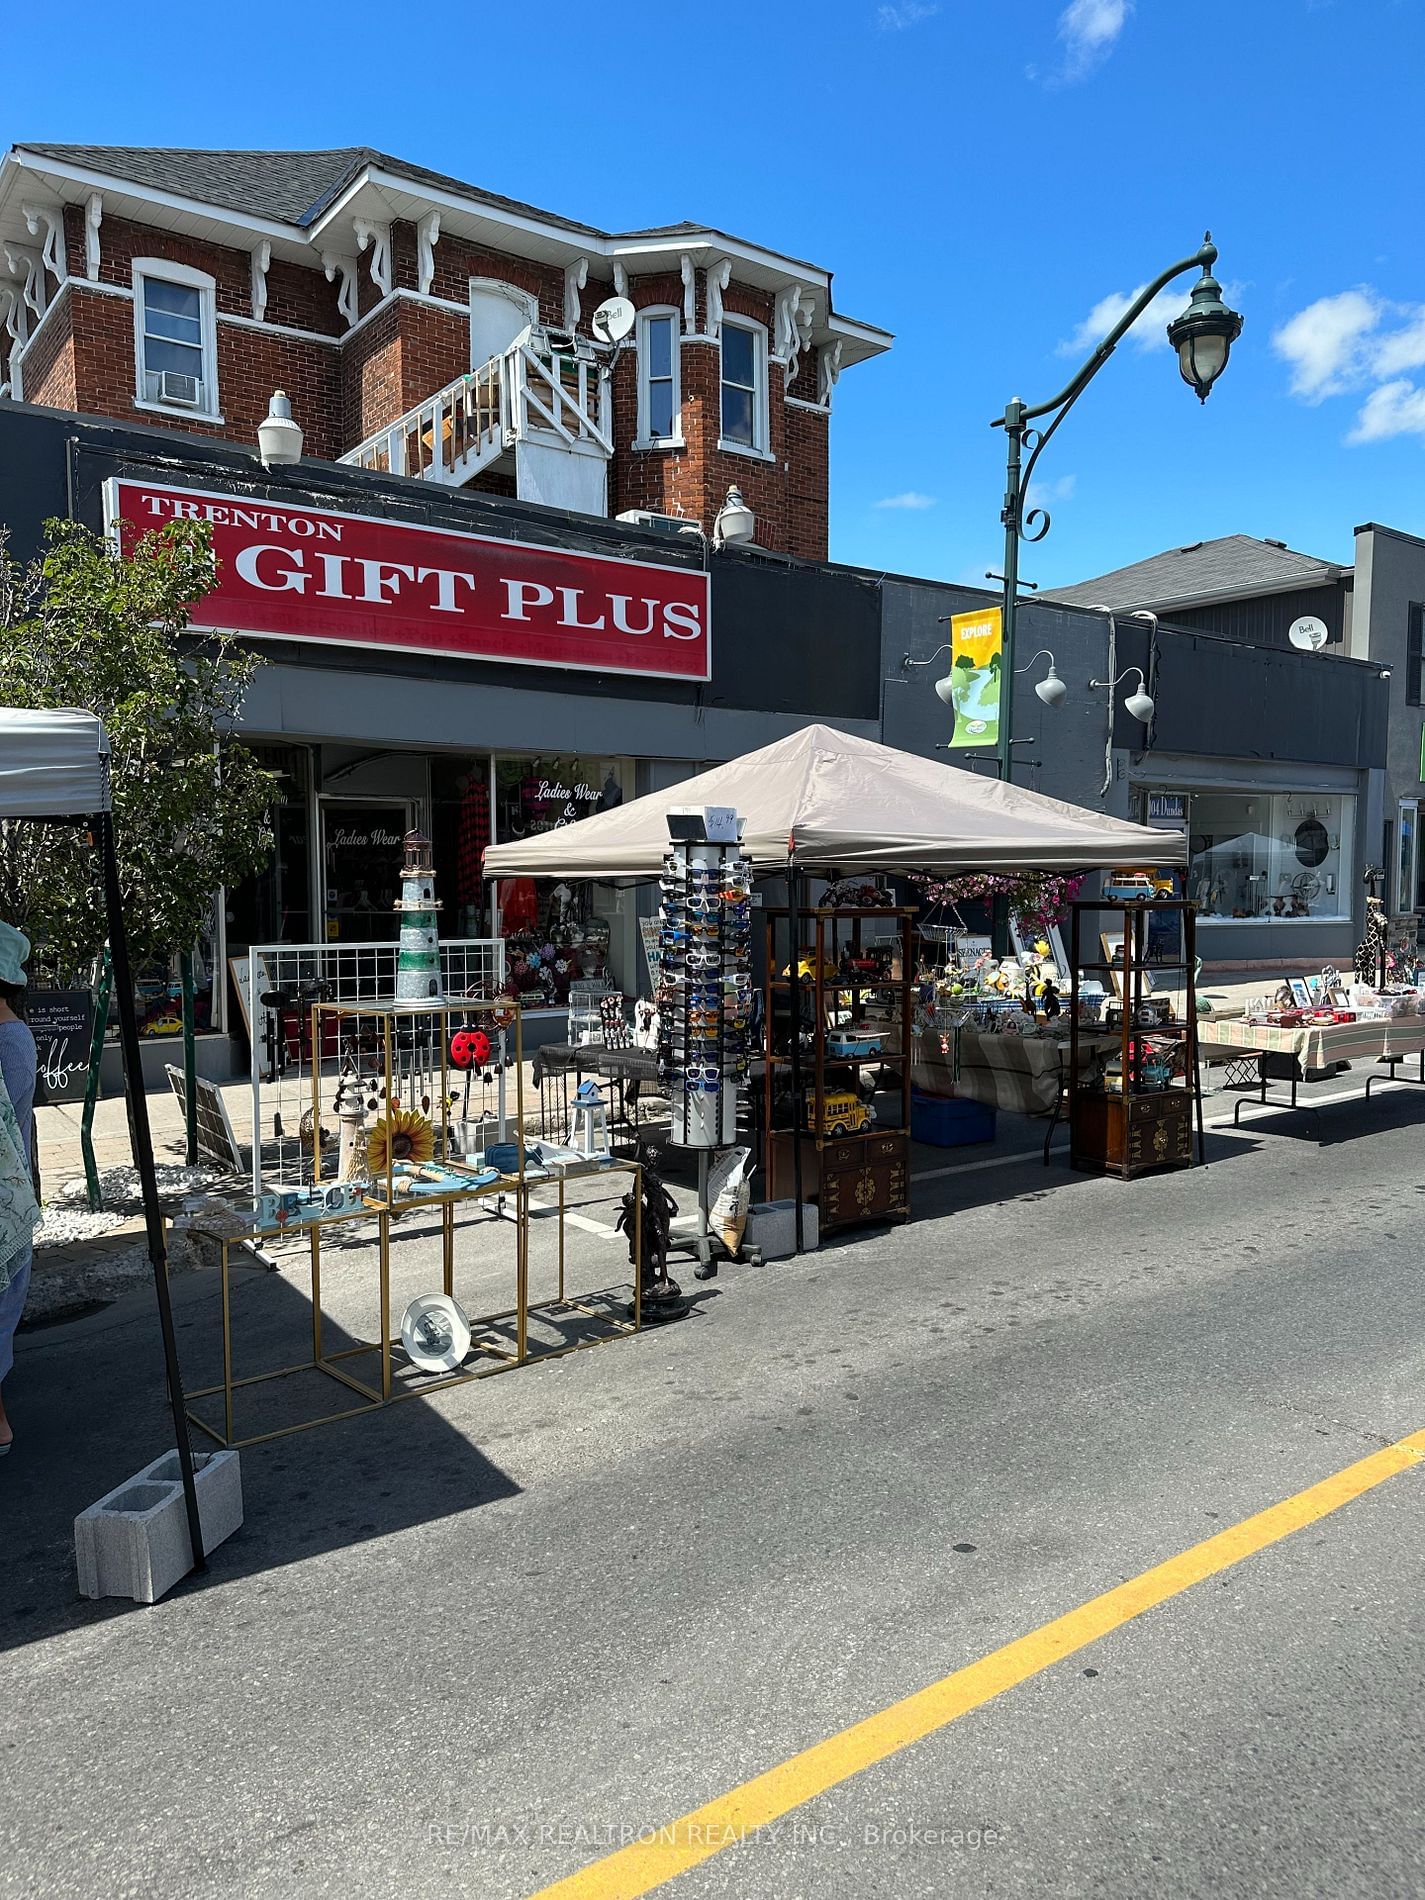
x=744 y=385
x=660 y=419
x=175 y=337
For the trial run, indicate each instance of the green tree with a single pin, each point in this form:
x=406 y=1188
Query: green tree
x=80 y=627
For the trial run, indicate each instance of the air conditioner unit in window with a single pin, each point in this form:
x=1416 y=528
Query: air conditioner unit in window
x=658 y=524
x=175 y=387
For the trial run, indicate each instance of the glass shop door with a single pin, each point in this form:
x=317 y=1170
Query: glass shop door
x=361 y=864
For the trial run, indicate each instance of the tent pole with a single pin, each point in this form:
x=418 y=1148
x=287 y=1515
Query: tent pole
x=794 y=906
x=142 y=1142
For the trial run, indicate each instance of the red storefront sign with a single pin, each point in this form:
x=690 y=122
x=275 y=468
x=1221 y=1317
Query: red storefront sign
x=295 y=573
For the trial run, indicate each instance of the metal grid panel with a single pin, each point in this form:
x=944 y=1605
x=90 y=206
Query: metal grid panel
x=282 y=1054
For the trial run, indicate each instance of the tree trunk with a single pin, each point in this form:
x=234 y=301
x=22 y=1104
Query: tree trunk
x=190 y=1059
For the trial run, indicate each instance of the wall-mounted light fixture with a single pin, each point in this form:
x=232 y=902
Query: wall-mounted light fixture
x=735 y=524
x=1051 y=689
x=1140 y=704
x=279 y=440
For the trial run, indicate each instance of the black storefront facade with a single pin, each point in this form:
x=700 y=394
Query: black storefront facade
x=368 y=740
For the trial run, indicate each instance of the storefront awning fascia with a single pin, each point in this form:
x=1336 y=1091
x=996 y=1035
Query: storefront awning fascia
x=828 y=800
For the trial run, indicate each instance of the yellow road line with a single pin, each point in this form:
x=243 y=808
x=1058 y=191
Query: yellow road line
x=664 y=1852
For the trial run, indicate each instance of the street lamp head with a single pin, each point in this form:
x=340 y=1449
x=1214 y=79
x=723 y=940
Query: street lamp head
x=945 y=690
x=1140 y=704
x=1204 y=334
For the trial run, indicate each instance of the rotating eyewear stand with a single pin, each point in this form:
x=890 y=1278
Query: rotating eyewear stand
x=703 y=938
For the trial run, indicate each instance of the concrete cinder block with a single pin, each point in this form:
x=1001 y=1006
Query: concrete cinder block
x=135 y=1542
x=772 y=1228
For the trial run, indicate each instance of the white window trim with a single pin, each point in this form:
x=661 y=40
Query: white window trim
x=645 y=438
x=206 y=286
x=760 y=428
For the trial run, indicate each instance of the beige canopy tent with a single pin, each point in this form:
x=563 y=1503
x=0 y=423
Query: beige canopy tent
x=824 y=800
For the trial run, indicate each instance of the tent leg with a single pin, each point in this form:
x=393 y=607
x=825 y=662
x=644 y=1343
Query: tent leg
x=142 y=1142
x=794 y=906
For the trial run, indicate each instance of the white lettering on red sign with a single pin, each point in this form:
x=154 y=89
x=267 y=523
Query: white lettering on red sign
x=315 y=574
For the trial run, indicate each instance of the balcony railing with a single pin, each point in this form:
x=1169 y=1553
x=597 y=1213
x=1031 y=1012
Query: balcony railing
x=525 y=394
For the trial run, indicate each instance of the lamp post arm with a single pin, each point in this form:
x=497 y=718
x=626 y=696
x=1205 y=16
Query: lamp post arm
x=1014 y=421
x=1203 y=258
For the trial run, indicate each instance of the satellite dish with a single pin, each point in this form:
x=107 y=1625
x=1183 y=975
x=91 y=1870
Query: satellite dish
x=613 y=319
x=1309 y=633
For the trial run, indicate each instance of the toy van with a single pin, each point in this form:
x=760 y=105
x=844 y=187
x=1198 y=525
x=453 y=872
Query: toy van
x=842 y=1114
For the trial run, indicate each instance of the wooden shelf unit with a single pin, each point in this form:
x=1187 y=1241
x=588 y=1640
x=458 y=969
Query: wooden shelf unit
x=1142 y=1128
x=855 y=1176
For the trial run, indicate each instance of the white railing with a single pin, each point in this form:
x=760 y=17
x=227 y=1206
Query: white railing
x=449 y=437
x=565 y=393
x=523 y=394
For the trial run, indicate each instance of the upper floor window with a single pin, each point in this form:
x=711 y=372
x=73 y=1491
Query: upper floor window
x=1414 y=656
x=175 y=337
x=744 y=385
x=660 y=419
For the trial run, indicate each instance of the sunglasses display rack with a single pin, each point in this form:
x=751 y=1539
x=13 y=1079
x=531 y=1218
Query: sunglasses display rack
x=704 y=990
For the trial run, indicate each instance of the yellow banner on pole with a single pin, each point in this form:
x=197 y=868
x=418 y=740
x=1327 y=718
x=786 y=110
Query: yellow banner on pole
x=976 y=643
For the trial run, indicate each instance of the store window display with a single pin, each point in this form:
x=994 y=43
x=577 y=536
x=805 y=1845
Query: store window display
x=556 y=932
x=1270 y=856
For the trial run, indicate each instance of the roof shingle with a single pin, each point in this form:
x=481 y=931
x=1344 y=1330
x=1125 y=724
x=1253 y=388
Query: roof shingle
x=1206 y=571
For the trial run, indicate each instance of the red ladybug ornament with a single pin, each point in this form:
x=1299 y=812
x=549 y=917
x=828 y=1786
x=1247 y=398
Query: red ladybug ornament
x=469 y=1048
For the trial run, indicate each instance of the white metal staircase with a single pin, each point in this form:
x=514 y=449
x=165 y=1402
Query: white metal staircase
x=536 y=401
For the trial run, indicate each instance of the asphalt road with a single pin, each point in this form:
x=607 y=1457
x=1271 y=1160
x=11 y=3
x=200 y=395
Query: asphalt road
x=464 y=1645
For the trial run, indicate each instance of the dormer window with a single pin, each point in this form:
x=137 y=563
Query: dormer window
x=660 y=416
x=175 y=338
x=744 y=386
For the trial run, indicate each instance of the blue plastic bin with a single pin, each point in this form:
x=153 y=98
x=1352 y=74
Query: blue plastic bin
x=949 y=1121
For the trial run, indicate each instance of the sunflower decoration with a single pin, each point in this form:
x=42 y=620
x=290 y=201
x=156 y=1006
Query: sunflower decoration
x=402 y=1134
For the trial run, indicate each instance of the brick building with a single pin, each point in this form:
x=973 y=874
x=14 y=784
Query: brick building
x=422 y=326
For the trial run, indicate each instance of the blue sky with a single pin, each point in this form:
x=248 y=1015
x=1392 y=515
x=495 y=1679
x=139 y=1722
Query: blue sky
x=981 y=175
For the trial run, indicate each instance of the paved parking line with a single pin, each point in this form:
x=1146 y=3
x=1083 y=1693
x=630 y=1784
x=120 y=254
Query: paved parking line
x=662 y=1853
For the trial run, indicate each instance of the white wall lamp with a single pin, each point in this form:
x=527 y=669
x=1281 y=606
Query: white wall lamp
x=735 y=524
x=279 y=440
x=1051 y=689
x=1140 y=704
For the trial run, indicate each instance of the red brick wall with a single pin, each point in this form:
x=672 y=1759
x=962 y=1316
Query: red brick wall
x=345 y=390
x=49 y=364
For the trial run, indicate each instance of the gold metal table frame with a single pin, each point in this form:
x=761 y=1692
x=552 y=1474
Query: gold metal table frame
x=497 y=1350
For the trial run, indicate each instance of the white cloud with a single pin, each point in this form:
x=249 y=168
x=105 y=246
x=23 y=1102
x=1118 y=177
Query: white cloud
x=912 y=498
x=895 y=19
x=1089 y=31
x=1046 y=494
x=1147 y=332
x=1358 y=340
x=1325 y=344
x=1395 y=408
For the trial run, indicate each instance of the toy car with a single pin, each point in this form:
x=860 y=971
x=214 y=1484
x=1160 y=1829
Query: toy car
x=1129 y=887
x=853 y=1042
x=842 y=1114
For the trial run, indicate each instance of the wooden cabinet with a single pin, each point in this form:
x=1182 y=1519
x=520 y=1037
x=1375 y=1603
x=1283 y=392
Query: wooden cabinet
x=863 y=1178
x=852 y=966
x=1134 y=1095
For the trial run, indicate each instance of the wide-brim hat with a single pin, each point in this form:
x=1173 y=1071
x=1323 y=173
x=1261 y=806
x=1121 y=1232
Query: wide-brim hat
x=14 y=954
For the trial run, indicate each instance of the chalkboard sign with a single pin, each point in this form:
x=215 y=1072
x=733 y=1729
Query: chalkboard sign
x=62 y=1023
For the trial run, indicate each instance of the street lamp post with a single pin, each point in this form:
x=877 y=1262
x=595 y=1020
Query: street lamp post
x=1202 y=336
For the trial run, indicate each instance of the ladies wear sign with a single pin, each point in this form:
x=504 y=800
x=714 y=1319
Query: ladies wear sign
x=296 y=573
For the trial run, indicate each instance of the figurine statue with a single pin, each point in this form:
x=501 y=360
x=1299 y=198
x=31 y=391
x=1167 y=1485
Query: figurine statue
x=661 y=1296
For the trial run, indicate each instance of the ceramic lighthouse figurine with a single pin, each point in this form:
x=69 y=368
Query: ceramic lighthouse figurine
x=418 y=959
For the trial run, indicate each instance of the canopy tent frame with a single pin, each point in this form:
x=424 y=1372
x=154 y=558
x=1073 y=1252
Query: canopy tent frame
x=54 y=768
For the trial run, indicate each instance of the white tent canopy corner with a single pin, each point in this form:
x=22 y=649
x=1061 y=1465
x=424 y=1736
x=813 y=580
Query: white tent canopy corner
x=53 y=764
x=828 y=800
